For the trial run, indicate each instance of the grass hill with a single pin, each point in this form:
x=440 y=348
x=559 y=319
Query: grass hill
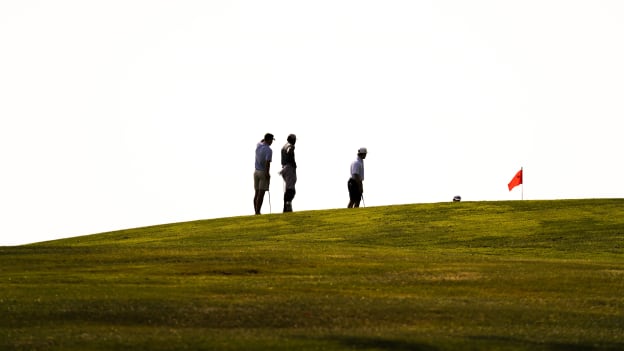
x=508 y=275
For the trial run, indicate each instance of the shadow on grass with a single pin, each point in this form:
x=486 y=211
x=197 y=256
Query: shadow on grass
x=363 y=343
x=583 y=347
x=547 y=346
x=474 y=343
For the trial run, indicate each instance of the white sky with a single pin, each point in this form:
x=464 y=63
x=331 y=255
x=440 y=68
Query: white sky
x=119 y=114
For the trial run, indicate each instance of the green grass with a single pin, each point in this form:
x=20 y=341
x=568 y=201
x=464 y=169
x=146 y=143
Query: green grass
x=519 y=275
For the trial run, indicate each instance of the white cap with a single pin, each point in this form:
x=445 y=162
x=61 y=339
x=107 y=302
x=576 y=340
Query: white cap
x=362 y=150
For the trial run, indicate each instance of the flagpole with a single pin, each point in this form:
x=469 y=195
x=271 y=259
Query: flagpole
x=522 y=193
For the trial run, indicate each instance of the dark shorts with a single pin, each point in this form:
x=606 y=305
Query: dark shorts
x=354 y=190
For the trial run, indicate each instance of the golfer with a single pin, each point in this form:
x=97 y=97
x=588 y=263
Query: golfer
x=355 y=183
x=262 y=177
x=289 y=171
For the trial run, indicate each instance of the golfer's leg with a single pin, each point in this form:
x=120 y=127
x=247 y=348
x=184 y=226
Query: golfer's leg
x=256 y=197
x=260 y=201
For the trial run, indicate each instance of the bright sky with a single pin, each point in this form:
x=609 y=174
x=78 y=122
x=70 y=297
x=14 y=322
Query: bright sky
x=120 y=114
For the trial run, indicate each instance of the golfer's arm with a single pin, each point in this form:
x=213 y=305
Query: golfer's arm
x=358 y=179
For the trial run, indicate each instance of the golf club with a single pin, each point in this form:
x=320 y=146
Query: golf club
x=270 y=209
x=363 y=203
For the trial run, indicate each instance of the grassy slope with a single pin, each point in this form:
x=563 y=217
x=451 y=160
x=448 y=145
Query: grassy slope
x=520 y=275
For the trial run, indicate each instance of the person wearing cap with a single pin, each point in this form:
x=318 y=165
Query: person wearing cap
x=262 y=177
x=289 y=171
x=355 y=183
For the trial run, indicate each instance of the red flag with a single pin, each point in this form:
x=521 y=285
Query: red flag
x=517 y=180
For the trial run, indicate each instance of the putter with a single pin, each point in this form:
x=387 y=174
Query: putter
x=270 y=210
x=363 y=203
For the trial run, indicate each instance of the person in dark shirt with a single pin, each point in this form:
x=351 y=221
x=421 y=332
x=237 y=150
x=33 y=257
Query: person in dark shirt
x=289 y=171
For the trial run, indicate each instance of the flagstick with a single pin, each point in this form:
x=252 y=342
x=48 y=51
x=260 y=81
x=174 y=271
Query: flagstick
x=522 y=192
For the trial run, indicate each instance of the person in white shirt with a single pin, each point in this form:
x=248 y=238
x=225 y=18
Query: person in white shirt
x=355 y=183
x=262 y=177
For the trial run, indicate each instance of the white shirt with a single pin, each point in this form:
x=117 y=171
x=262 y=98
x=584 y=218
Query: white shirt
x=357 y=167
